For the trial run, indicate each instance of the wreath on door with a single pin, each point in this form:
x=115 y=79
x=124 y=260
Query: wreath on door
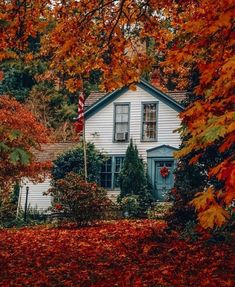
x=164 y=171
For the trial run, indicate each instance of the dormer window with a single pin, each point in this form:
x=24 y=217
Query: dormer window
x=121 y=122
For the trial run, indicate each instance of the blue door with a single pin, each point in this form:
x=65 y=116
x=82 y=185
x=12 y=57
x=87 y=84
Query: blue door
x=164 y=178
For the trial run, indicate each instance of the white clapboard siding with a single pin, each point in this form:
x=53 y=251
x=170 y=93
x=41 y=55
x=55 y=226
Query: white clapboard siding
x=99 y=127
x=36 y=199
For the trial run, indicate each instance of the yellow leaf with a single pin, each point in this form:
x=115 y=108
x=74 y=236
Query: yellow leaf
x=203 y=199
x=215 y=215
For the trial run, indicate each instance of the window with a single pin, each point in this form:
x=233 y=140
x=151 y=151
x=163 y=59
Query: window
x=110 y=172
x=121 y=122
x=106 y=174
x=118 y=164
x=149 y=124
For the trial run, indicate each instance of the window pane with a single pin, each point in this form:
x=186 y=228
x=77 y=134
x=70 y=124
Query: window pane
x=150 y=112
x=106 y=174
x=118 y=165
x=149 y=130
x=121 y=118
x=121 y=127
x=122 y=109
x=168 y=164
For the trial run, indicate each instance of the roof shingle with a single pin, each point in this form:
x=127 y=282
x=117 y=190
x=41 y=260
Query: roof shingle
x=178 y=96
x=51 y=151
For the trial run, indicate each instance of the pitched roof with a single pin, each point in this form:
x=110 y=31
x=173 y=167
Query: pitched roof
x=178 y=96
x=169 y=99
x=51 y=151
x=93 y=97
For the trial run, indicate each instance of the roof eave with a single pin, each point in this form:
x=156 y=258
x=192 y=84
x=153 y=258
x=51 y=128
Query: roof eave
x=115 y=94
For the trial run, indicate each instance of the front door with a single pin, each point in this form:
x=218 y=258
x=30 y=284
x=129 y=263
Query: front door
x=164 y=178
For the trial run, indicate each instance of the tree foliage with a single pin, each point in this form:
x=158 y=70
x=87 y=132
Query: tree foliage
x=19 y=134
x=83 y=202
x=205 y=39
x=73 y=161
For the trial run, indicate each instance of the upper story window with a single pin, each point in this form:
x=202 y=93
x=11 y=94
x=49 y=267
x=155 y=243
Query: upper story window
x=121 y=122
x=149 y=123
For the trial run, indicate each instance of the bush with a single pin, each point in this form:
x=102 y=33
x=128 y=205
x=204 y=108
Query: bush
x=130 y=206
x=8 y=206
x=81 y=201
x=34 y=217
x=134 y=182
x=73 y=161
x=159 y=210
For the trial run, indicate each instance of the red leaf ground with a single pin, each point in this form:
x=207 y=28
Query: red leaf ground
x=123 y=253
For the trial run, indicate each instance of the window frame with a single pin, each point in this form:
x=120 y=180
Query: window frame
x=106 y=173
x=114 y=121
x=142 y=139
x=113 y=172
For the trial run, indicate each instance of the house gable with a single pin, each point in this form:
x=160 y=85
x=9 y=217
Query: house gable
x=110 y=97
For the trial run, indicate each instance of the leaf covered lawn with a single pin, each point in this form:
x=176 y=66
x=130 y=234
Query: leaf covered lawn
x=123 y=253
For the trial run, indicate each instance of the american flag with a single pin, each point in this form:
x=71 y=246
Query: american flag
x=80 y=119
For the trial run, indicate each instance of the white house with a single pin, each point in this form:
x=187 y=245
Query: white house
x=146 y=115
x=149 y=117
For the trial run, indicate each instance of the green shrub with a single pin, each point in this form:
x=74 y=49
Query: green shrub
x=159 y=210
x=73 y=161
x=34 y=217
x=80 y=201
x=8 y=207
x=130 y=206
x=134 y=181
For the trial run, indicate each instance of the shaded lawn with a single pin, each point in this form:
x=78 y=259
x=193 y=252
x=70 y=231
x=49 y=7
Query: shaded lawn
x=122 y=253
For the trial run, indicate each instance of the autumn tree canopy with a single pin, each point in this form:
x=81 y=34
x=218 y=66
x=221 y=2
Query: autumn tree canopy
x=112 y=37
x=19 y=133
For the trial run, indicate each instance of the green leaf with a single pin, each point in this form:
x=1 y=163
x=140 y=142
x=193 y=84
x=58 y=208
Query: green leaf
x=3 y=147
x=19 y=155
x=213 y=133
x=14 y=135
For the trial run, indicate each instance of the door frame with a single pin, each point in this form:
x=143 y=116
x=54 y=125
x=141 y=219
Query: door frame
x=158 y=159
x=160 y=153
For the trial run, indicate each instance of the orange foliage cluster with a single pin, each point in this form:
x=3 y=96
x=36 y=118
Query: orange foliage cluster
x=19 y=21
x=124 y=253
x=205 y=41
x=19 y=134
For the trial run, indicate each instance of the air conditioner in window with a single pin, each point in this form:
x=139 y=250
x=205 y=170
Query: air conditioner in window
x=121 y=136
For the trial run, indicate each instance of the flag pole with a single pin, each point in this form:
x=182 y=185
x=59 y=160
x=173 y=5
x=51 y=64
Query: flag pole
x=84 y=152
x=84 y=133
x=80 y=125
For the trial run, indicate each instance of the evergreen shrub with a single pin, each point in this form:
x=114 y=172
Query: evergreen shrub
x=73 y=161
x=134 y=181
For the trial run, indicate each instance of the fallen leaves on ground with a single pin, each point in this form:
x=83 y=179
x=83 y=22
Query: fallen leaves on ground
x=122 y=253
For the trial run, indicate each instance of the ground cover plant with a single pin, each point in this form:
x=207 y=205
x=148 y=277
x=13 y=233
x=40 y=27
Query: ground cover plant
x=122 y=253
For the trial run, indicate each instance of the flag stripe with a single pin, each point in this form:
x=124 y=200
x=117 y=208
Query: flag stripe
x=80 y=119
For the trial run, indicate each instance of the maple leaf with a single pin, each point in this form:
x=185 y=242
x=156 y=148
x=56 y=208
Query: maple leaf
x=203 y=199
x=213 y=216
